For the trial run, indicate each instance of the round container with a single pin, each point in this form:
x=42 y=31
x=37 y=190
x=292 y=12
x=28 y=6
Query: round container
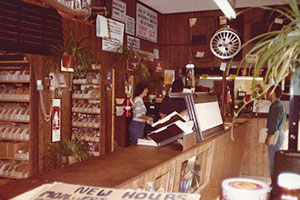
x=245 y=189
x=289 y=184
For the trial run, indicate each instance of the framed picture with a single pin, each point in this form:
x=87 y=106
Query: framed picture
x=222 y=20
x=169 y=77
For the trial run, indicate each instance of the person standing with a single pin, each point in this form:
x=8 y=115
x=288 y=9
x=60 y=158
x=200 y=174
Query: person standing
x=275 y=122
x=137 y=125
x=170 y=105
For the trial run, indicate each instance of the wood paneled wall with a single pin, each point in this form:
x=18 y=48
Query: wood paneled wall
x=81 y=29
x=173 y=42
x=175 y=33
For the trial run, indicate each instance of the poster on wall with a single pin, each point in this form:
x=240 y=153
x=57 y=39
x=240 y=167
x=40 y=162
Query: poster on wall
x=169 y=77
x=119 y=10
x=146 y=23
x=116 y=32
x=130 y=25
x=133 y=42
x=56 y=121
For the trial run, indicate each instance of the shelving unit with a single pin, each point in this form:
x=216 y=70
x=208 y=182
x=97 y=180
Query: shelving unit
x=86 y=112
x=16 y=118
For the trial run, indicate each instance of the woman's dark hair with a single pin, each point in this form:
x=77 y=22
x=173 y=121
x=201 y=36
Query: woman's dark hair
x=177 y=86
x=139 y=89
x=277 y=91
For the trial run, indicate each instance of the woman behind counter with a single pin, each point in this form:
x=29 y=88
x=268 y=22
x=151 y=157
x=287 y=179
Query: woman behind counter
x=137 y=125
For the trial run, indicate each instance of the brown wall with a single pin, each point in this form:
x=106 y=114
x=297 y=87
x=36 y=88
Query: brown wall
x=175 y=34
x=173 y=43
x=108 y=62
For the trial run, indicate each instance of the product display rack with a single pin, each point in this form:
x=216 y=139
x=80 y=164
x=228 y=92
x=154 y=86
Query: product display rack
x=16 y=117
x=86 y=112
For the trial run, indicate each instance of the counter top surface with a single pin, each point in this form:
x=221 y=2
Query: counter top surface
x=125 y=164
x=109 y=170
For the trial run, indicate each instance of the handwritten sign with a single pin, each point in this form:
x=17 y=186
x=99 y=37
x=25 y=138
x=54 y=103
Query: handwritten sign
x=133 y=43
x=130 y=26
x=57 y=191
x=116 y=32
x=119 y=10
x=146 y=23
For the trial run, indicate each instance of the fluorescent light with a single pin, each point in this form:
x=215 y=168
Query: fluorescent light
x=190 y=66
x=246 y=78
x=226 y=8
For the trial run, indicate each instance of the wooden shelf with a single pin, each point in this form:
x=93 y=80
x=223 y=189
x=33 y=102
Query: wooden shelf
x=84 y=127
x=13 y=61
x=11 y=177
x=16 y=140
x=15 y=100
x=97 y=99
x=11 y=158
x=14 y=120
x=93 y=84
x=14 y=81
x=91 y=113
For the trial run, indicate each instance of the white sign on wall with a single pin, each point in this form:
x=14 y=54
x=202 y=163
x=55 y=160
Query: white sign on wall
x=146 y=23
x=133 y=42
x=56 y=121
x=119 y=10
x=130 y=25
x=116 y=32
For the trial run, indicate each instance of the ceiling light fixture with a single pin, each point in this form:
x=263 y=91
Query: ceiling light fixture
x=226 y=7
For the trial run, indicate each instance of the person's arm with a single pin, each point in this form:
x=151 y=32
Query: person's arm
x=138 y=111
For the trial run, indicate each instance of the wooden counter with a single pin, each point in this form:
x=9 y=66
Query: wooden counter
x=133 y=167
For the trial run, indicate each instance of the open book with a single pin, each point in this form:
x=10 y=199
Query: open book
x=168 y=130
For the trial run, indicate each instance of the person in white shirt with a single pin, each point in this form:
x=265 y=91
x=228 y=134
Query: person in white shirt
x=137 y=125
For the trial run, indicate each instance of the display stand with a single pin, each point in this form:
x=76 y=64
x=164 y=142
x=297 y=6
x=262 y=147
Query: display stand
x=16 y=117
x=204 y=110
x=86 y=112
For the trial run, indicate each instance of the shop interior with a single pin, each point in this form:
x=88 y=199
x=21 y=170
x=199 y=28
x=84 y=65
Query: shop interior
x=68 y=73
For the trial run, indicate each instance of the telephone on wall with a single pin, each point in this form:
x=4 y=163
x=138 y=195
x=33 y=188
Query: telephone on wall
x=57 y=81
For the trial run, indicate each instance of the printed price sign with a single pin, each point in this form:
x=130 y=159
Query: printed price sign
x=146 y=23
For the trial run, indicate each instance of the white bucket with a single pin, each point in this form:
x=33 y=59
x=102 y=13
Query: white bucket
x=244 y=189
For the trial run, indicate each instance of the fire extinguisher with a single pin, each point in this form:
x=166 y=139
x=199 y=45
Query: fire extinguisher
x=127 y=105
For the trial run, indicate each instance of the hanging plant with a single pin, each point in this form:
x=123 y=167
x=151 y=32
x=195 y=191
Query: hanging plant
x=72 y=54
x=134 y=59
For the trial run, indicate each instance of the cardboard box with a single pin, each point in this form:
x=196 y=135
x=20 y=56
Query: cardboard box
x=13 y=148
x=3 y=149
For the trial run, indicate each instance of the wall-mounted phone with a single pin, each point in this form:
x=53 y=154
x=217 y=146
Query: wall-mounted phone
x=57 y=81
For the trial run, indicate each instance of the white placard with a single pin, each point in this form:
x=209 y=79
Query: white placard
x=101 y=26
x=223 y=66
x=116 y=32
x=146 y=23
x=156 y=53
x=130 y=28
x=133 y=42
x=209 y=115
x=56 y=120
x=119 y=10
x=58 y=190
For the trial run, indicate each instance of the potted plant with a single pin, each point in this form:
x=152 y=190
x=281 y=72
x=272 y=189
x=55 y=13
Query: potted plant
x=72 y=54
x=68 y=152
x=277 y=51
